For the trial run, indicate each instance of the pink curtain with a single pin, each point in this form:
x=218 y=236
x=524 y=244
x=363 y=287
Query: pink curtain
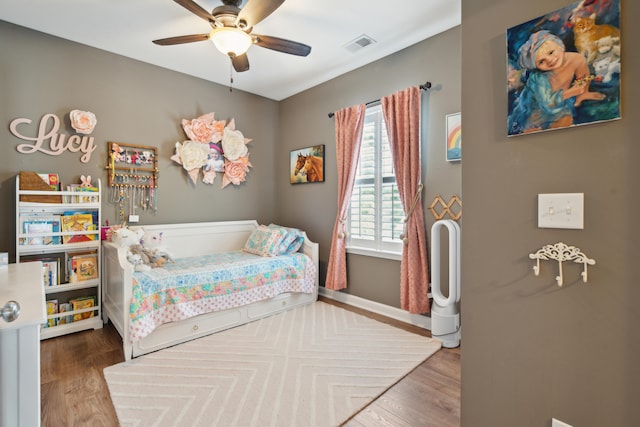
x=402 y=116
x=349 y=124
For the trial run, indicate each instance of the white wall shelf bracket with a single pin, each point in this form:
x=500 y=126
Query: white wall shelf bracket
x=561 y=252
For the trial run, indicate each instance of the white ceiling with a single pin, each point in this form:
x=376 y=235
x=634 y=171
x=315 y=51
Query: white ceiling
x=127 y=27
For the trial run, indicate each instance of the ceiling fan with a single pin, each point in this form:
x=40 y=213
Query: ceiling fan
x=232 y=30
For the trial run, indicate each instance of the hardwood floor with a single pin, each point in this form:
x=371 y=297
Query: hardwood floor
x=74 y=392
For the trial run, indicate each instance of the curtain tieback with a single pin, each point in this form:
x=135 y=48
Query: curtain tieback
x=343 y=234
x=416 y=197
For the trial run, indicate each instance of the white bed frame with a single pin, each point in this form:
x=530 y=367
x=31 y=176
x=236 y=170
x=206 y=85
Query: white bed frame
x=184 y=240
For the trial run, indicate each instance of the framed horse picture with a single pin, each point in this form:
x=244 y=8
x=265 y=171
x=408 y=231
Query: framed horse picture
x=306 y=165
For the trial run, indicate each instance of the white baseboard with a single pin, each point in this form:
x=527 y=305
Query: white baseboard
x=376 y=307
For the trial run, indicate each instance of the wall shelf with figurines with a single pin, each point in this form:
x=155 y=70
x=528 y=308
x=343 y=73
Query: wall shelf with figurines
x=133 y=179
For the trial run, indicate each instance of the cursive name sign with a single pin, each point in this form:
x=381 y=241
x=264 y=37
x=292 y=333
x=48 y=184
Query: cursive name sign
x=50 y=141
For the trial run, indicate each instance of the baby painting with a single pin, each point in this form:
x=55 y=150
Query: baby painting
x=551 y=83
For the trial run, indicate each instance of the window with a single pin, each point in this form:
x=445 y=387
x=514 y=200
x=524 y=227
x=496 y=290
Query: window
x=376 y=215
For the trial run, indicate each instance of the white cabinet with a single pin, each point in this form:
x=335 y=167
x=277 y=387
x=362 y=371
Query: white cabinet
x=65 y=236
x=20 y=345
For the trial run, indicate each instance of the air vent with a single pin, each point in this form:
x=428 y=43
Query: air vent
x=359 y=43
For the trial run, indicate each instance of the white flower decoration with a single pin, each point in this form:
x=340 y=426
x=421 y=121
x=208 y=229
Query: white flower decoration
x=191 y=154
x=233 y=144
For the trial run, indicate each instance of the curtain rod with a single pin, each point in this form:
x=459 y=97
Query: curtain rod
x=425 y=86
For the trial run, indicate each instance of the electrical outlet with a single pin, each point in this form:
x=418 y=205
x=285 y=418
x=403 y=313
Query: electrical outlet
x=561 y=210
x=134 y=218
x=558 y=423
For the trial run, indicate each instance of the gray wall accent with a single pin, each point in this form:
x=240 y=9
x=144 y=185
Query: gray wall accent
x=532 y=351
x=304 y=122
x=135 y=103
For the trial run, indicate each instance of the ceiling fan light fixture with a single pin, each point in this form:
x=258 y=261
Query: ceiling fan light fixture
x=231 y=41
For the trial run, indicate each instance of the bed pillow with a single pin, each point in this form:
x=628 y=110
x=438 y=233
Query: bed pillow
x=265 y=241
x=291 y=242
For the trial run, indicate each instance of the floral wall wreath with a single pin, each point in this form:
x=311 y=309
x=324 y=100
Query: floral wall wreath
x=213 y=146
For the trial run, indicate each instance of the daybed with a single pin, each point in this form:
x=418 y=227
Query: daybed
x=120 y=281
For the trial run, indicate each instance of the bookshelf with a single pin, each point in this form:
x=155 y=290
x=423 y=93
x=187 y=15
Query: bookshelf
x=61 y=229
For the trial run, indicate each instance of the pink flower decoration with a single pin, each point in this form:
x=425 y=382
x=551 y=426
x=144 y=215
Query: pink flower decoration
x=204 y=130
x=236 y=172
x=201 y=129
x=83 y=121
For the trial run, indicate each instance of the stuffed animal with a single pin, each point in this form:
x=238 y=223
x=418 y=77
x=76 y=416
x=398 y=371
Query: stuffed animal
x=130 y=239
x=137 y=261
x=125 y=237
x=142 y=260
x=154 y=249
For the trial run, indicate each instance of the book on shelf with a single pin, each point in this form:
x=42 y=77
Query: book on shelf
x=40 y=227
x=52 y=308
x=83 y=197
x=53 y=265
x=50 y=269
x=65 y=307
x=79 y=304
x=82 y=266
x=85 y=267
x=52 y=179
x=78 y=222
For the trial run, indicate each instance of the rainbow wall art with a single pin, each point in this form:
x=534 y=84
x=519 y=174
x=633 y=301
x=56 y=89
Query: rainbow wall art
x=454 y=137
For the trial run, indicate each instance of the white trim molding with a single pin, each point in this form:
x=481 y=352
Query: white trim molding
x=378 y=308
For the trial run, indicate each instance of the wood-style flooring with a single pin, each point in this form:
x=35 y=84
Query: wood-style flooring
x=74 y=392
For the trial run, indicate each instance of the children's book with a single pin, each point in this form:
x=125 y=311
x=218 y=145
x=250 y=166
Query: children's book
x=71 y=263
x=40 y=228
x=54 y=263
x=84 y=267
x=65 y=307
x=52 y=179
x=51 y=267
x=76 y=223
x=52 y=308
x=79 y=304
x=83 y=197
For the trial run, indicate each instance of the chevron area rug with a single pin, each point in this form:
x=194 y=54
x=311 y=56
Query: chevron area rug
x=313 y=366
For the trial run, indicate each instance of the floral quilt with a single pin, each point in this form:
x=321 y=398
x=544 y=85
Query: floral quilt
x=202 y=284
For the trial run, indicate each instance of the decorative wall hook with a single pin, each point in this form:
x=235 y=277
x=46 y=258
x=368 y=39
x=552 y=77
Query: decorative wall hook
x=561 y=252
x=453 y=208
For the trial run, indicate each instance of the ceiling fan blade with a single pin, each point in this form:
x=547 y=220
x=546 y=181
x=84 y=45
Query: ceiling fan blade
x=196 y=10
x=282 y=45
x=240 y=62
x=257 y=10
x=182 y=39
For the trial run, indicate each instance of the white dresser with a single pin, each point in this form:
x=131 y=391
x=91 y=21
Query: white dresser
x=20 y=345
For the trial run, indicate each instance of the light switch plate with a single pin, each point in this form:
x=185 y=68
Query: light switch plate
x=562 y=210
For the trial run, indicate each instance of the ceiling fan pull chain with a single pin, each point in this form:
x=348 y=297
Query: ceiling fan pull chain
x=230 y=77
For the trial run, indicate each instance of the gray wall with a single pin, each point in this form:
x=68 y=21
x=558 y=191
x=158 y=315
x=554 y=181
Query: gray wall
x=135 y=103
x=304 y=122
x=532 y=351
